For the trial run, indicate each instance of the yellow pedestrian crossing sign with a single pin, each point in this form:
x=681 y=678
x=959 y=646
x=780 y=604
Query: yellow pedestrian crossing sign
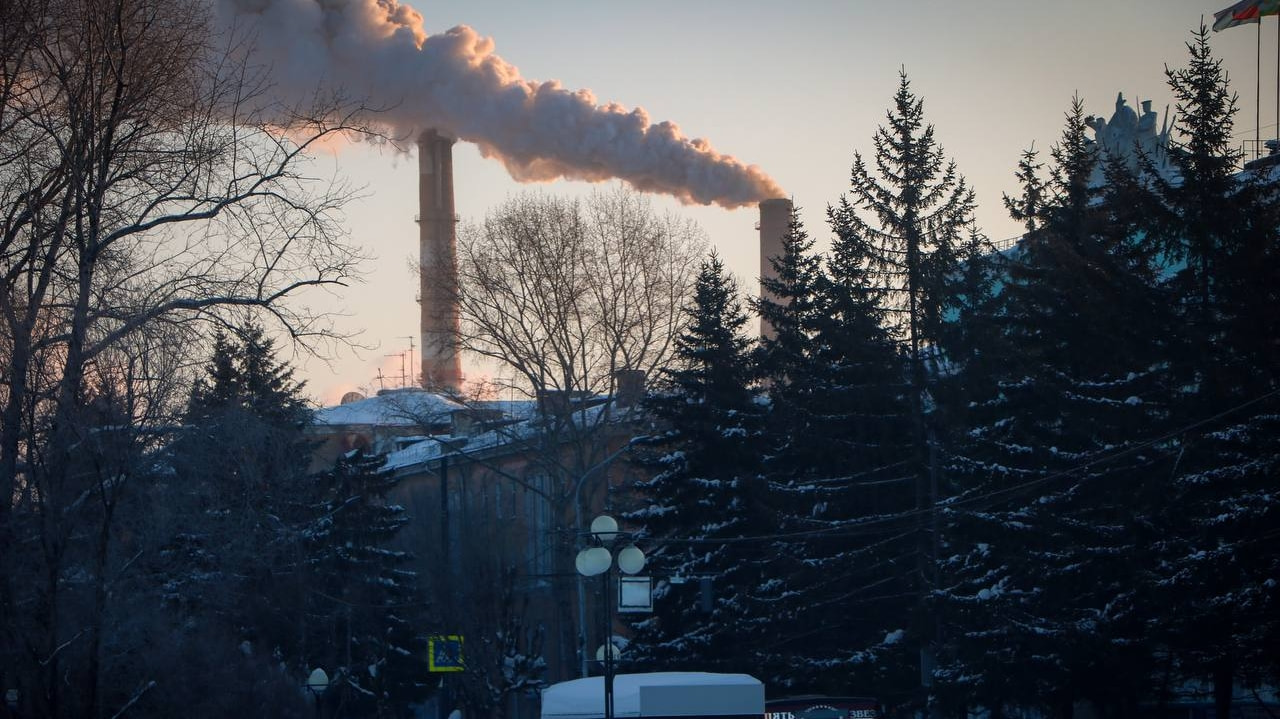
x=444 y=653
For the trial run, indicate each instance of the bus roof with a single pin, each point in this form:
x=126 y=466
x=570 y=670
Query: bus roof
x=657 y=694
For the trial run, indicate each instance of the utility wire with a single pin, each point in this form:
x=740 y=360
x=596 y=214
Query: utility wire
x=890 y=522
x=1105 y=458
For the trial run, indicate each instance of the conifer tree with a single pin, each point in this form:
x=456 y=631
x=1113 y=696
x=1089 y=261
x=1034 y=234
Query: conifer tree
x=245 y=376
x=1027 y=207
x=790 y=310
x=856 y=568
x=365 y=618
x=838 y=415
x=788 y=307
x=707 y=488
x=914 y=210
x=220 y=386
x=295 y=565
x=1045 y=584
x=240 y=476
x=1199 y=225
x=1218 y=230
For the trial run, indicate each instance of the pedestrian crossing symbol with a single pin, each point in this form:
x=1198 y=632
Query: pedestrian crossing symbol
x=444 y=653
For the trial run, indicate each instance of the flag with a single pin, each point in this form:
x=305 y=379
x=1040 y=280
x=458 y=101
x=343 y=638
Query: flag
x=1245 y=11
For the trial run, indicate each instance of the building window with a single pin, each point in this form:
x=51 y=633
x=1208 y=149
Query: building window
x=538 y=521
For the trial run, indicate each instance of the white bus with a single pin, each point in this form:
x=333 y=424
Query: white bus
x=658 y=694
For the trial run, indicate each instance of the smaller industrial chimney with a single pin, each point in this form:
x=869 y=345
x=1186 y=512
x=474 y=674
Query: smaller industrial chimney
x=438 y=250
x=775 y=220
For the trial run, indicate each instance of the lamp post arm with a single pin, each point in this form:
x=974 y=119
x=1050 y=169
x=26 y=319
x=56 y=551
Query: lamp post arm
x=586 y=474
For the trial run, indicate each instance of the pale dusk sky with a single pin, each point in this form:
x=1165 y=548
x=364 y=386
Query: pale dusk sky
x=793 y=87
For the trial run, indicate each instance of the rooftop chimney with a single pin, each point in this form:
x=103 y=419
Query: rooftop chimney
x=775 y=219
x=437 y=228
x=630 y=387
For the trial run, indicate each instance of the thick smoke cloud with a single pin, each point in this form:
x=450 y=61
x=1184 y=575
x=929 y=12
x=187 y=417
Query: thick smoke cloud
x=377 y=50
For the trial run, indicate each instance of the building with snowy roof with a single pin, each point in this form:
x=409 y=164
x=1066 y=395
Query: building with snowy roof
x=496 y=492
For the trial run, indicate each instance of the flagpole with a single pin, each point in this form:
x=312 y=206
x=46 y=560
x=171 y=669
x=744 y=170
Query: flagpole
x=1257 y=102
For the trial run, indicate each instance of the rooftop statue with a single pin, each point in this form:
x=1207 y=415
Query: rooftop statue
x=1126 y=133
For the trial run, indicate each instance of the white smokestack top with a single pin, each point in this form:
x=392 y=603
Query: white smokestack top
x=378 y=51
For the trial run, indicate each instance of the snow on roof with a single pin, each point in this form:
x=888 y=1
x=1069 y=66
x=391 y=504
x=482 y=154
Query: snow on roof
x=431 y=448
x=656 y=694
x=514 y=408
x=390 y=408
x=525 y=427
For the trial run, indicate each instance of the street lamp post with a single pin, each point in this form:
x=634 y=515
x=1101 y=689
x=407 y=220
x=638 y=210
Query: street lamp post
x=598 y=560
x=317 y=682
x=577 y=526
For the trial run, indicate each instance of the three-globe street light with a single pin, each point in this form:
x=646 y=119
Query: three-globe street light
x=577 y=526
x=598 y=560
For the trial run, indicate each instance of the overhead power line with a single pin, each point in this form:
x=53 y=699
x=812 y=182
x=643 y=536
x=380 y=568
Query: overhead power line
x=891 y=522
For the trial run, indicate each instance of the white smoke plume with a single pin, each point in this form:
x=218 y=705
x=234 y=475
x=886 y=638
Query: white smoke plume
x=377 y=50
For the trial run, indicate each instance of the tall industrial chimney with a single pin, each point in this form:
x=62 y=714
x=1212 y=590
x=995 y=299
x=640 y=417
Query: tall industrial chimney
x=775 y=219
x=437 y=228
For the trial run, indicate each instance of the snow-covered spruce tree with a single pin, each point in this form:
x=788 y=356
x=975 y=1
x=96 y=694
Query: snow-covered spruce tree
x=855 y=455
x=1219 y=232
x=1045 y=594
x=913 y=210
x=239 y=470
x=790 y=312
x=364 y=613
x=838 y=432
x=707 y=487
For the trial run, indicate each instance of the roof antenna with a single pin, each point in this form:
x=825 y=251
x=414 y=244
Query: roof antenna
x=401 y=356
x=411 y=364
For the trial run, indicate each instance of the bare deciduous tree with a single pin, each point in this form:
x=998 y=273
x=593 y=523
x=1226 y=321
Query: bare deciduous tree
x=149 y=184
x=566 y=293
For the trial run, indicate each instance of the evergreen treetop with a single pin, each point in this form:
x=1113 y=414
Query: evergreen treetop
x=243 y=374
x=1027 y=207
x=788 y=305
x=913 y=211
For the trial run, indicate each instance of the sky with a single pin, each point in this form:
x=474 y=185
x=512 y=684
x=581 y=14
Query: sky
x=795 y=88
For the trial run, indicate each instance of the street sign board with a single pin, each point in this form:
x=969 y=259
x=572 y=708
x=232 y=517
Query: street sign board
x=635 y=594
x=444 y=653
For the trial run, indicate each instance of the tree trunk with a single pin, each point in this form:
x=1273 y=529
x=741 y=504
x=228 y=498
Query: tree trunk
x=1223 y=684
x=97 y=620
x=10 y=441
x=52 y=648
